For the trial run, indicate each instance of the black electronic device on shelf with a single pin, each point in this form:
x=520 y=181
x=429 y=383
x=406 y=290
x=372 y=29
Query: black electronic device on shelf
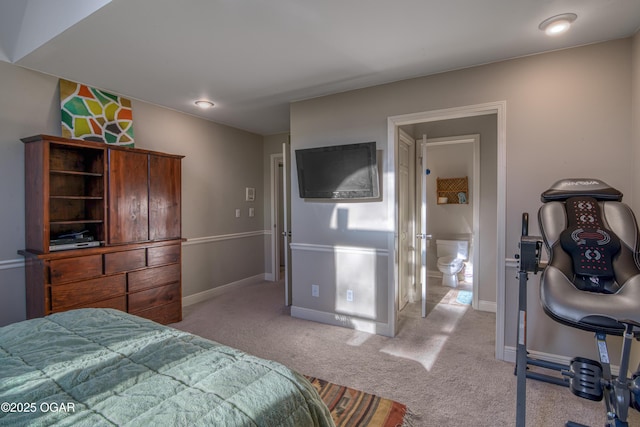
x=74 y=240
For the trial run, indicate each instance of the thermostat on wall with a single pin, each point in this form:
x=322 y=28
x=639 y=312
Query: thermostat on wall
x=250 y=194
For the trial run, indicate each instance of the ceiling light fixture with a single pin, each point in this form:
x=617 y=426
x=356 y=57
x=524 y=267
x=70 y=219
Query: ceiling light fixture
x=557 y=24
x=204 y=104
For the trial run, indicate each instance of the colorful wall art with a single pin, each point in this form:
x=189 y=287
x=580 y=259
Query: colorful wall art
x=95 y=115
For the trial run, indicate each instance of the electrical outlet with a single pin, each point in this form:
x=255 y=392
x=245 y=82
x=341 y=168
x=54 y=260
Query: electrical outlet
x=349 y=295
x=315 y=290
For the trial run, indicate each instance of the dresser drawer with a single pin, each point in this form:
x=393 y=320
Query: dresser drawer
x=119 y=303
x=87 y=292
x=161 y=255
x=117 y=262
x=72 y=269
x=154 y=297
x=153 y=277
x=165 y=314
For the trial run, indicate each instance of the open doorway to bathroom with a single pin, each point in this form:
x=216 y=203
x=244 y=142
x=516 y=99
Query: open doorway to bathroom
x=488 y=120
x=449 y=169
x=478 y=278
x=277 y=217
x=452 y=165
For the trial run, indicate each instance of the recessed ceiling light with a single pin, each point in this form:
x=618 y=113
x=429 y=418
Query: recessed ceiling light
x=557 y=24
x=204 y=104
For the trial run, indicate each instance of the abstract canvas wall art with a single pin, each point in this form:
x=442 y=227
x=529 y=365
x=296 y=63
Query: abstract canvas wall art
x=95 y=115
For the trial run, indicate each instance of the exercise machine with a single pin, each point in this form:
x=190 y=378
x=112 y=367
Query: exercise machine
x=590 y=282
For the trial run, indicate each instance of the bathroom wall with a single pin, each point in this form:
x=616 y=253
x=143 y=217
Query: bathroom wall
x=448 y=221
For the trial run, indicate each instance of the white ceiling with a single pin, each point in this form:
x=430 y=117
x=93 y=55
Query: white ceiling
x=253 y=57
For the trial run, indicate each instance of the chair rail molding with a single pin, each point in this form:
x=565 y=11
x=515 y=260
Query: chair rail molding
x=338 y=249
x=12 y=263
x=209 y=239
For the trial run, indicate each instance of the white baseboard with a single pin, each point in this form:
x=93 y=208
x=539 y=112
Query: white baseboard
x=489 y=306
x=510 y=356
x=219 y=290
x=343 y=320
x=437 y=274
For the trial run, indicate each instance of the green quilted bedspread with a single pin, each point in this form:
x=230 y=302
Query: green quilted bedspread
x=102 y=367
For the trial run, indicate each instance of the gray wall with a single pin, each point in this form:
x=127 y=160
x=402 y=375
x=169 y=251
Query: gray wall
x=449 y=221
x=220 y=162
x=28 y=106
x=566 y=112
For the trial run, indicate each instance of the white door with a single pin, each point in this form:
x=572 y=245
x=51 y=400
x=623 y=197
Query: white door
x=280 y=215
x=277 y=217
x=286 y=221
x=422 y=238
x=406 y=223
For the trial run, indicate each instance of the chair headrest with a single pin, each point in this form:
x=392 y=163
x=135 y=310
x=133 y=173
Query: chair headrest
x=589 y=187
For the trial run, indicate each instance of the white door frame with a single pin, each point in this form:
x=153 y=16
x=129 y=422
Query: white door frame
x=500 y=109
x=422 y=213
x=286 y=210
x=276 y=236
x=408 y=257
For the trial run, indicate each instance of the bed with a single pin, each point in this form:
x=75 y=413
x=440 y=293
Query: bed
x=99 y=367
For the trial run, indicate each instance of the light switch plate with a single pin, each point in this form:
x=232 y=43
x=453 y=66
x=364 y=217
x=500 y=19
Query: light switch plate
x=250 y=194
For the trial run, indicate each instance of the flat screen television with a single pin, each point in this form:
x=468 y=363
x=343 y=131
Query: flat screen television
x=338 y=172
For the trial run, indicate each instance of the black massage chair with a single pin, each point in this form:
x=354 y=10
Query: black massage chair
x=591 y=282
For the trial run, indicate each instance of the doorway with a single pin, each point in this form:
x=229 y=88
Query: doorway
x=455 y=158
x=457 y=221
x=280 y=183
x=277 y=217
x=496 y=202
x=406 y=220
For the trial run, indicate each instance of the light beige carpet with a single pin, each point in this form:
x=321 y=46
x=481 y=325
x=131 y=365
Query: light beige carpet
x=442 y=367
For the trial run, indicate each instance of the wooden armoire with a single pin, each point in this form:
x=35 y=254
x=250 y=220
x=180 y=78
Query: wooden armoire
x=103 y=228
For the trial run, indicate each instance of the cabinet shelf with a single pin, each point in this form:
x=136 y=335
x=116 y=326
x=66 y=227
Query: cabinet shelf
x=76 y=190
x=70 y=172
x=453 y=191
x=77 y=197
x=77 y=221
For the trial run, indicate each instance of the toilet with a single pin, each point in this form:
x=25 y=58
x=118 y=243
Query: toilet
x=451 y=257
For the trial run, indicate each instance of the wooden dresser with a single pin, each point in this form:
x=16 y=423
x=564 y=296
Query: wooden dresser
x=125 y=203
